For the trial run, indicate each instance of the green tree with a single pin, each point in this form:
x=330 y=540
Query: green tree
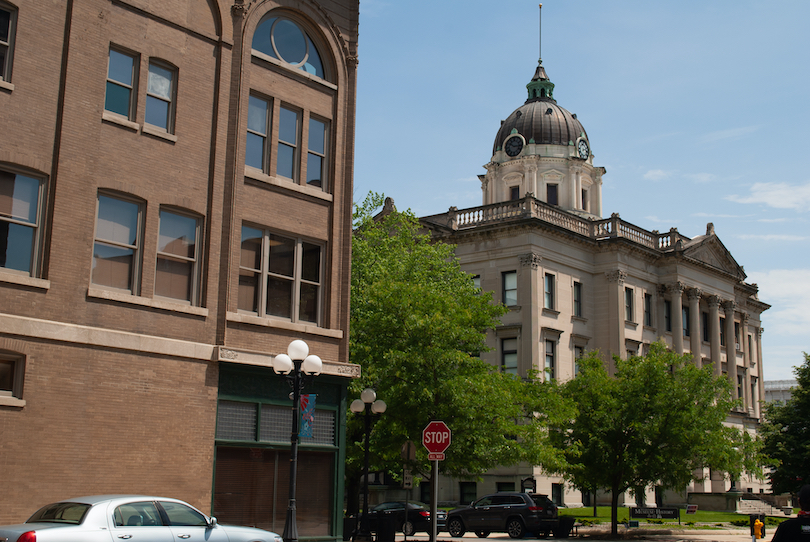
x=656 y=421
x=418 y=324
x=786 y=435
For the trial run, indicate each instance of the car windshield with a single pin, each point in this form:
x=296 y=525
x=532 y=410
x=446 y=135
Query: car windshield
x=60 y=512
x=541 y=500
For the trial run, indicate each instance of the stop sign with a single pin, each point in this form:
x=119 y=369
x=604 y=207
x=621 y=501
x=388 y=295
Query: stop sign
x=436 y=437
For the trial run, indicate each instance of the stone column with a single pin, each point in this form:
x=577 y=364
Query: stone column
x=616 y=307
x=731 y=350
x=572 y=187
x=694 y=324
x=676 y=291
x=714 y=332
x=661 y=318
x=530 y=293
x=748 y=400
x=578 y=190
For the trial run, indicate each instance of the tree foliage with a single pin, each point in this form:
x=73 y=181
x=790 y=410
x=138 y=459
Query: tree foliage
x=653 y=423
x=786 y=435
x=418 y=324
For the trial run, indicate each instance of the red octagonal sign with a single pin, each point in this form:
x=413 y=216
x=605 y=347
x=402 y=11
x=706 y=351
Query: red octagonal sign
x=436 y=437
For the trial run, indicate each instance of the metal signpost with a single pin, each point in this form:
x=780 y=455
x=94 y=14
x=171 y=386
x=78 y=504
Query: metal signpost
x=436 y=438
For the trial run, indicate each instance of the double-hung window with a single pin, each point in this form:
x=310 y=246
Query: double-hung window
x=685 y=319
x=21 y=200
x=578 y=299
x=509 y=280
x=122 y=77
x=648 y=310
x=257 y=130
x=509 y=356
x=160 y=92
x=12 y=374
x=280 y=276
x=316 y=153
x=549 y=291
x=288 y=131
x=177 y=272
x=551 y=359
x=118 y=242
x=628 y=305
x=8 y=16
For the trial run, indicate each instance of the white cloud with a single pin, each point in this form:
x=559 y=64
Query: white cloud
x=702 y=177
x=653 y=218
x=772 y=220
x=715 y=215
x=777 y=195
x=732 y=133
x=771 y=237
x=658 y=175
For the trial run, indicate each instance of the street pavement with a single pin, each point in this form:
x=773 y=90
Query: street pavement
x=728 y=534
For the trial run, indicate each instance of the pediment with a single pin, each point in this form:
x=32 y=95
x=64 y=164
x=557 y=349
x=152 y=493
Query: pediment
x=709 y=250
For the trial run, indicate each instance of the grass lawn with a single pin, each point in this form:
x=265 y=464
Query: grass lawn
x=704 y=517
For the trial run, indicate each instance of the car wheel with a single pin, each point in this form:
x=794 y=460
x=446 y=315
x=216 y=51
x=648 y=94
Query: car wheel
x=515 y=528
x=407 y=528
x=455 y=527
x=482 y=534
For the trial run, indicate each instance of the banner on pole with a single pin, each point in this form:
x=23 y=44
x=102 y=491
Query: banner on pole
x=307 y=415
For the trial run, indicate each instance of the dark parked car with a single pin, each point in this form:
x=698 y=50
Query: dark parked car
x=418 y=517
x=514 y=513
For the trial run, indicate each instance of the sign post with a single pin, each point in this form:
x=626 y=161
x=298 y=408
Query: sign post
x=436 y=438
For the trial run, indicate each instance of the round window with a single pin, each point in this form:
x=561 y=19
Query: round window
x=285 y=40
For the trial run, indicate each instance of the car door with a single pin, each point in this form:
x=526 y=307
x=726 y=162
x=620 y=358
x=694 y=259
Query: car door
x=481 y=517
x=139 y=521
x=189 y=525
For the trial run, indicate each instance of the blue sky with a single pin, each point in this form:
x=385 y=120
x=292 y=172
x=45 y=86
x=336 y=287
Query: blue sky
x=698 y=110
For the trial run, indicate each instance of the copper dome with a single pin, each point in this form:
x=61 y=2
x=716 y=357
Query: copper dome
x=540 y=120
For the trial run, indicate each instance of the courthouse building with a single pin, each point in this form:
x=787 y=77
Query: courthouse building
x=175 y=209
x=575 y=282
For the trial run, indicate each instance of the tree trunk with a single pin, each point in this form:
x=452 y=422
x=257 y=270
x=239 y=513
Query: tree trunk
x=614 y=511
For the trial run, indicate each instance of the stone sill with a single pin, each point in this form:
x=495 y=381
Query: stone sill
x=11 y=401
x=287 y=184
x=5 y=85
x=161 y=304
x=310 y=329
x=24 y=280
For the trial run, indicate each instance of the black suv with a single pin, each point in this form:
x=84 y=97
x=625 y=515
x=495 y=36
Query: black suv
x=513 y=513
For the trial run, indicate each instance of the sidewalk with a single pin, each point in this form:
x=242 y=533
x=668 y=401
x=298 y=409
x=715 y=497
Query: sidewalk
x=602 y=534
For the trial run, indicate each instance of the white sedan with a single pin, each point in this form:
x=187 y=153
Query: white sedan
x=132 y=518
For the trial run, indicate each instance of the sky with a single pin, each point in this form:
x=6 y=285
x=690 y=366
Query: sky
x=697 y=109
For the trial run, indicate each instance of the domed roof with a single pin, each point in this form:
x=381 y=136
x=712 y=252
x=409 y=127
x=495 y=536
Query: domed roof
x=540 y=120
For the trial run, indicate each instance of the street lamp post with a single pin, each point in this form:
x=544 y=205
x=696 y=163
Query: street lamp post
x=295 y=364
x=369 y=404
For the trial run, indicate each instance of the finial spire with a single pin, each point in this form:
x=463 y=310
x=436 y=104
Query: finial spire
x=540 y=35
x=540 y=87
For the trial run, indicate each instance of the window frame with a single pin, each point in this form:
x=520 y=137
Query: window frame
x=668 y=316
x=294 y=145
x=266 y=136
x=324 y=157
x=6 y=69
x=648 y=312
x=504 y=352
x=550 y=291
x=137 y=248
x=505 y=290
x=685 y=320
x=578 y=307
x=553 y=188
x=133 y=87
x=172 y=101
x=723 y=331
x=550 y=360
x=37 y=243
x=297 y=278
x=14 y=397
x=195 y=274
x=629 y=302
x=704 y=327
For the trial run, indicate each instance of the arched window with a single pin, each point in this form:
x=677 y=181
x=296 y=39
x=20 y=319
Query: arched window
x=284 y=39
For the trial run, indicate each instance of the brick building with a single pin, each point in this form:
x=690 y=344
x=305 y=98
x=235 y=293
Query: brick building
x=175 y=209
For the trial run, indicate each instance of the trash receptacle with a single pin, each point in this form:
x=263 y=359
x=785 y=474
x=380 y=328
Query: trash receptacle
x=564 y=526
x=386 y=527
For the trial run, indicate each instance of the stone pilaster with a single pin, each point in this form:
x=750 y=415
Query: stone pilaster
x=731 y=350
x=615 y=281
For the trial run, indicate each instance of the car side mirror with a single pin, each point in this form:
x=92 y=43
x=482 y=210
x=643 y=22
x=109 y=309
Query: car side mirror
x=212 y=522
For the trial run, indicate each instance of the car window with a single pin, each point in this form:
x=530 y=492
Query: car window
x=137 y=514
x=484 y=501
x=516 y=499
x=180 y=514
x=500 y=500
x=60 y=512
x=541 y=500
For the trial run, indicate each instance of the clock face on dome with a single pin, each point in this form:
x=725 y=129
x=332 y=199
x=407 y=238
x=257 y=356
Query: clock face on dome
x=583 y=150
x=513 y=145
